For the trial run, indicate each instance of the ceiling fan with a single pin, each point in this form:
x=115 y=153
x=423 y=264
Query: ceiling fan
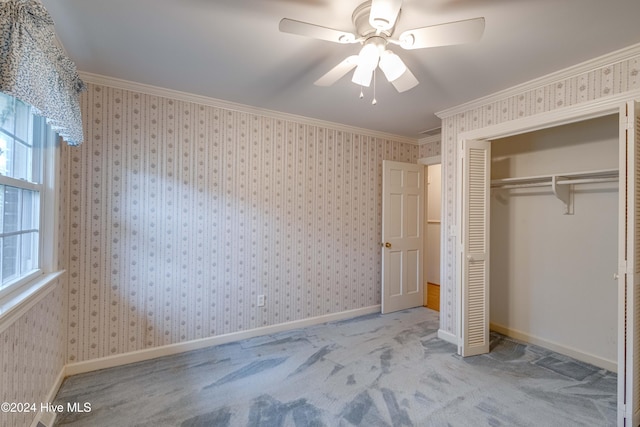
x=375 y=22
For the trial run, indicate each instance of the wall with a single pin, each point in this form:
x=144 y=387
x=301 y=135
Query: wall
x=33 y=349
x=182 y=213
x=551 y=274
x=32 y=355
x=613 y=74
x=430 y=147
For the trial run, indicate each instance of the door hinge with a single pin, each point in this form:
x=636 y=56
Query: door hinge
x=624 y=268
x=628 y=123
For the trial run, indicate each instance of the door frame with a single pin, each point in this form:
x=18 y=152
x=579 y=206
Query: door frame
x=550 y=119
x=426 y=162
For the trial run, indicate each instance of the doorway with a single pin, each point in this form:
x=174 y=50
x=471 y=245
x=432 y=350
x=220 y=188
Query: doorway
x=411 y=235
x=433 y=232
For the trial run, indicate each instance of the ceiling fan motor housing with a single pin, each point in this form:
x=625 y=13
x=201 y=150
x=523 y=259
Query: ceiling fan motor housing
x=361 y=22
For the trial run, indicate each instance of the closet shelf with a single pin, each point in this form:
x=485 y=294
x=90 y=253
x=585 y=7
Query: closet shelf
x=560 y=183
x=586 y=177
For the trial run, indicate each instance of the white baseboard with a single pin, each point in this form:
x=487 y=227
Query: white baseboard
x=167 y=350
x=610 y=365
x=447 y=336
x=49 y=418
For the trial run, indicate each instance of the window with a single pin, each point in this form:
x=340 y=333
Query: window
x=24 y=138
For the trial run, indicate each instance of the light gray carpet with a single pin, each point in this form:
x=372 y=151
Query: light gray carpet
x=374 y=370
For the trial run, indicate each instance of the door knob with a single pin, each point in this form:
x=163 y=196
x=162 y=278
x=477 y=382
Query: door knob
x=387 y=245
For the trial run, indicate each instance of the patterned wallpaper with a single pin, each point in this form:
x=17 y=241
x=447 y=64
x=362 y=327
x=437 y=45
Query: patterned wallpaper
x=430 y=149
x=32 y=355
x=181 y=214
x=616 y=78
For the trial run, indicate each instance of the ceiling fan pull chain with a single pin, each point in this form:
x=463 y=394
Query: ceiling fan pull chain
x=361 y=93
x=374 y=102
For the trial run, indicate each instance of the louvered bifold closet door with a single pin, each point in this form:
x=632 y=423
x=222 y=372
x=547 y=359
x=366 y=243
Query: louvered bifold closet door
x=475 y=244
x=630 y=274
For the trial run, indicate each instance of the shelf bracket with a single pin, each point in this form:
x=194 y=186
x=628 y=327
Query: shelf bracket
x=563 y=194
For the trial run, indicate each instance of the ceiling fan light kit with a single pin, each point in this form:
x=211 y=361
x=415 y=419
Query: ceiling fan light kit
x=362 y=76
x=391 y=65
x=370 y=53
x=375 y=22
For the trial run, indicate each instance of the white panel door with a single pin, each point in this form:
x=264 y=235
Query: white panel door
x=476 y=170
x=629 y=273
x=402 y=235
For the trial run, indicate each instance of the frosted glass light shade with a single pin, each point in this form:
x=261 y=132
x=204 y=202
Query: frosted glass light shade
x=362 y=76
x=391 y=65
x=369 y=56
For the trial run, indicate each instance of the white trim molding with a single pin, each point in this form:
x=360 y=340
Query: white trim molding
x=14 y=305
x=49 y=418
x=561 y=116
x=447 y=336
x=428 y=161
x=610 y=365
x=115 y=83
x=430 y=139
x=171 y=349
x=584 y=67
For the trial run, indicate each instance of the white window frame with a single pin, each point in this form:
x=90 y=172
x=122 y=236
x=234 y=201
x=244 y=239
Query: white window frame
x=18 y=297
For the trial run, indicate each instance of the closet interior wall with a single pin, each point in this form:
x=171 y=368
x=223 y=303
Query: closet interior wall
x=551 y=276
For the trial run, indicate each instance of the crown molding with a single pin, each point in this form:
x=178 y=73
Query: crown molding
x=561 y=116
x=116 y=83
x=581 y=68
x=430 y=139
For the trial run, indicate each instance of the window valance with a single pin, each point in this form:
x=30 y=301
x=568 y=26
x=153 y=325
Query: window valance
x=35 y=70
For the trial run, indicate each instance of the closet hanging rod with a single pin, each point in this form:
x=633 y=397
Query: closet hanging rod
x=560 y=178
x=529 y=185
x=587 y=181
x=559 y=183
x=550 y=183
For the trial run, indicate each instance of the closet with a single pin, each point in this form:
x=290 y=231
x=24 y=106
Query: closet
x=554 y=238
x=570 y=281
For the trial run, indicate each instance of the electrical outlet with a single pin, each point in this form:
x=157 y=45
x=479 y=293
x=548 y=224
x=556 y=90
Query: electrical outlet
x=260 y=301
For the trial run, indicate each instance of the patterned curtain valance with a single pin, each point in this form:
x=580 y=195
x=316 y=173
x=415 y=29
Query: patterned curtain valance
x=35 y=70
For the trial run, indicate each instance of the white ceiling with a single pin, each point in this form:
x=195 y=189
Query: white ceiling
x=232 y=50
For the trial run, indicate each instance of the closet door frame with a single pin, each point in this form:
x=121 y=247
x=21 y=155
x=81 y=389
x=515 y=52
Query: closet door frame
x=589 y=110
x=628 y=267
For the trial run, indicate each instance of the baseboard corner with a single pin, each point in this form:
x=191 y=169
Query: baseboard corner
x=447 y=336
x=48 y=419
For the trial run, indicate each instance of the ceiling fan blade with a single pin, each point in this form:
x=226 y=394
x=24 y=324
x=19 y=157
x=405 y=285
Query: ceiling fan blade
x=405 y=82
x=315 y=31
x=337 y=72
x=384 y=13
x=443 y=34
